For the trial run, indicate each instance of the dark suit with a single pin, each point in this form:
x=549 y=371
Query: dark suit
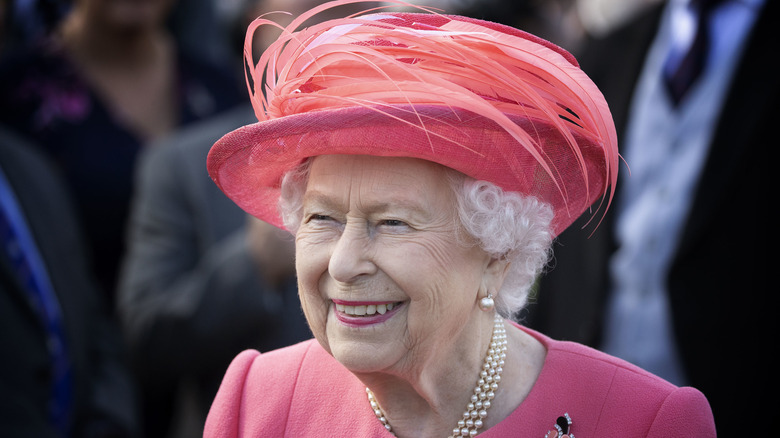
x=718 y=280
x=191 y=295
x=103 y=392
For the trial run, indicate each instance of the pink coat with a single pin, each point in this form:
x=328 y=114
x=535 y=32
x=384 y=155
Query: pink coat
x=301 y=391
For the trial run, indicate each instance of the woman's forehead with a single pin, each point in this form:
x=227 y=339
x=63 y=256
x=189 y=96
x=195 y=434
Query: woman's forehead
x=380 y=181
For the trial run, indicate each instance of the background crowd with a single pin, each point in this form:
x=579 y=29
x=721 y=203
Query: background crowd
x=128 y=281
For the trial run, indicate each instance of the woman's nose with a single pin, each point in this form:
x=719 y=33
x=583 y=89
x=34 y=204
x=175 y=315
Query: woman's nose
x=351 y=257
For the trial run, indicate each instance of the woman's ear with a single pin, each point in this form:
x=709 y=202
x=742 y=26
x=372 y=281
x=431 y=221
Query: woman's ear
x=494 y=275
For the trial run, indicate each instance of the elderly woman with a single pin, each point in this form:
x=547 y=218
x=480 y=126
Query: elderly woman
x=424 y=164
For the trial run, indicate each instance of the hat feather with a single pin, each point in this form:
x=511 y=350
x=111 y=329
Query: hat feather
x=380 y=60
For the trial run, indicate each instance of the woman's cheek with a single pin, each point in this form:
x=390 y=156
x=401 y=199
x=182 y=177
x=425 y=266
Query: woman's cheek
x=310 y=267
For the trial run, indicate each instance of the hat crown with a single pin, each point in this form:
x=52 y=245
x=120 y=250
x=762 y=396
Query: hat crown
x=386 y=62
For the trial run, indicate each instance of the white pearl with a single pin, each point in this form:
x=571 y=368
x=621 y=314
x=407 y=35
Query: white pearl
x=487 y=303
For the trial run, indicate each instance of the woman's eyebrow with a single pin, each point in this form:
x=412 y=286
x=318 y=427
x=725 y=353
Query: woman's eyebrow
x=393 y=203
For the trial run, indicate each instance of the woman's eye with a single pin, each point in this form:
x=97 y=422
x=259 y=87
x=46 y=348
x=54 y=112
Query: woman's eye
x=393 y=223
x=319 y=218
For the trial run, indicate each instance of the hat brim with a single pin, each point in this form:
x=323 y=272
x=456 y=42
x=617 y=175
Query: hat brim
x=248 y=164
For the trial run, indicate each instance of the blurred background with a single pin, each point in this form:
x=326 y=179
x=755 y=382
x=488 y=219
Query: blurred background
x=124 y=98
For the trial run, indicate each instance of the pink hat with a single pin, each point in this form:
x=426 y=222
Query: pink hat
x=490 y=101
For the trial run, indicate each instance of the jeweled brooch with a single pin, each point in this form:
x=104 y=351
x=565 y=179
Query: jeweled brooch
x=562 y=428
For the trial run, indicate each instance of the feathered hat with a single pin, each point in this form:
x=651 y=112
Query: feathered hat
x=490 y=101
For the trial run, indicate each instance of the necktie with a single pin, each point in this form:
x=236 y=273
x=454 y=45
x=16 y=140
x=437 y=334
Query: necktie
x=679 y=78
x=42 y=299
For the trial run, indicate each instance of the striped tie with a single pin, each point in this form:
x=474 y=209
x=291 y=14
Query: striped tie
x=678 y=77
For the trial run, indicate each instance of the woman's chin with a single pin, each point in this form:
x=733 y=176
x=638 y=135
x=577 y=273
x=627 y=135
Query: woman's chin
x=365 y=348
x=362 y=358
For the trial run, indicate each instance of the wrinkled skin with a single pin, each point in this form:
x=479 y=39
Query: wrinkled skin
x=382 y=230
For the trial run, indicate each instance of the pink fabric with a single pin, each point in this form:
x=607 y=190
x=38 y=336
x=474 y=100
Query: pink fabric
x=301 y=391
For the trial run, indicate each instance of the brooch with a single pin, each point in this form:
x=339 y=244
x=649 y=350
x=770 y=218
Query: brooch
x=562 y=428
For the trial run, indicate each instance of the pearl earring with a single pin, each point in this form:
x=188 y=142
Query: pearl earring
x=487 y=303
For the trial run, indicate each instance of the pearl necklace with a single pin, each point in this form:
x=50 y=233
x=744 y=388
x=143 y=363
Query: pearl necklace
x=484 y=392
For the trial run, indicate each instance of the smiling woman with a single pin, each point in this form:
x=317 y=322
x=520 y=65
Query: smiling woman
x=424 y=164
x=381 y=230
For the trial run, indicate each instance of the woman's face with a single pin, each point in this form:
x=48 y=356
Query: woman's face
x=384 y=281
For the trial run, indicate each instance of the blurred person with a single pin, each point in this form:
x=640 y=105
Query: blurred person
x=674 y=279
x=201 y=281
x=424 y=164
x=599 y=17
x=199 y=26
x=63 y=372
x=108 y=80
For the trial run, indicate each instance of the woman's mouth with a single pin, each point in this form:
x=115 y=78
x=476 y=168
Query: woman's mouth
x=364 y=313
x=366 y=309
